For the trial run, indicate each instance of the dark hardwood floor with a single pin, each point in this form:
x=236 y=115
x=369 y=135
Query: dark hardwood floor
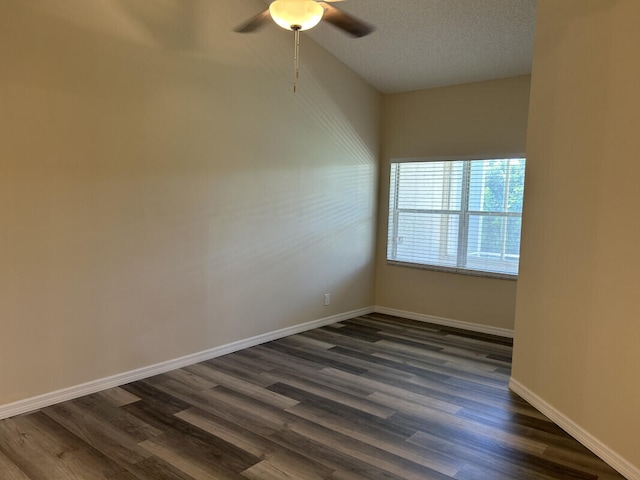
x=375 y=397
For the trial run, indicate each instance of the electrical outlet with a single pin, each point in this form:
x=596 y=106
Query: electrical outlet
x=327 y=298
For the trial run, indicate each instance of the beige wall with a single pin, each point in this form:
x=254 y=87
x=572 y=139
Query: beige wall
x=163 y=191
x=577 y=342
x=484 y=119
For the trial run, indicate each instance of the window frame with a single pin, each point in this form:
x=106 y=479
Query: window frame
x=463 y=214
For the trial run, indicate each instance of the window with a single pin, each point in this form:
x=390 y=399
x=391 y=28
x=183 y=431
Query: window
x=462 y=215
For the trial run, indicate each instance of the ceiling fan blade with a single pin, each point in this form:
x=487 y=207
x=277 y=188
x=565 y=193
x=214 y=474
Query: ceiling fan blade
x=254 y=24
x=345 y=22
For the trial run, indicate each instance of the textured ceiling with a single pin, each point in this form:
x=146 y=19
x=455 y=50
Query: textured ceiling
x=430 y=43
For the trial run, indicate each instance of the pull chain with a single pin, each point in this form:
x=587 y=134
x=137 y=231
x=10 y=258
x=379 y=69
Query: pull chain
x=296 y=57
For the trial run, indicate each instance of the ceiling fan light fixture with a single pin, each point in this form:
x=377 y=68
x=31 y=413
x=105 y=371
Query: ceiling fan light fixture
x=296 y=14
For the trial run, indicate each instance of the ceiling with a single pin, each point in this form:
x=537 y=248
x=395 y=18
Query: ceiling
x=431 y=43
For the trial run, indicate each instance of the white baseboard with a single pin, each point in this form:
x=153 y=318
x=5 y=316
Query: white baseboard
x=617 y=462
x=447 y=322
x=51 y=398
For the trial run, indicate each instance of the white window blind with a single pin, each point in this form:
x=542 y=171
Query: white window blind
x=462 y=215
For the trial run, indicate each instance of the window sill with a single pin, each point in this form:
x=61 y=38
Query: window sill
x=458 y=271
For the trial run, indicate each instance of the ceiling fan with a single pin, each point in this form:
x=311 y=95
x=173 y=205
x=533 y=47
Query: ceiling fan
x=299 y=15
x=305 y=14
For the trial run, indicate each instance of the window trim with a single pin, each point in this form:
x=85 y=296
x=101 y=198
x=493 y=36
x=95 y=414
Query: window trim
x=464 y=215
x=454 y=270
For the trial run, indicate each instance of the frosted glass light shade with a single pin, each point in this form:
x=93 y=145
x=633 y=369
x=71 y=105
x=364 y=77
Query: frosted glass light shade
x=288 y=14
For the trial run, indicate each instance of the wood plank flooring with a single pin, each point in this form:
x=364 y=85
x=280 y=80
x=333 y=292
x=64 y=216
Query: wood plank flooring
x=375 y=397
